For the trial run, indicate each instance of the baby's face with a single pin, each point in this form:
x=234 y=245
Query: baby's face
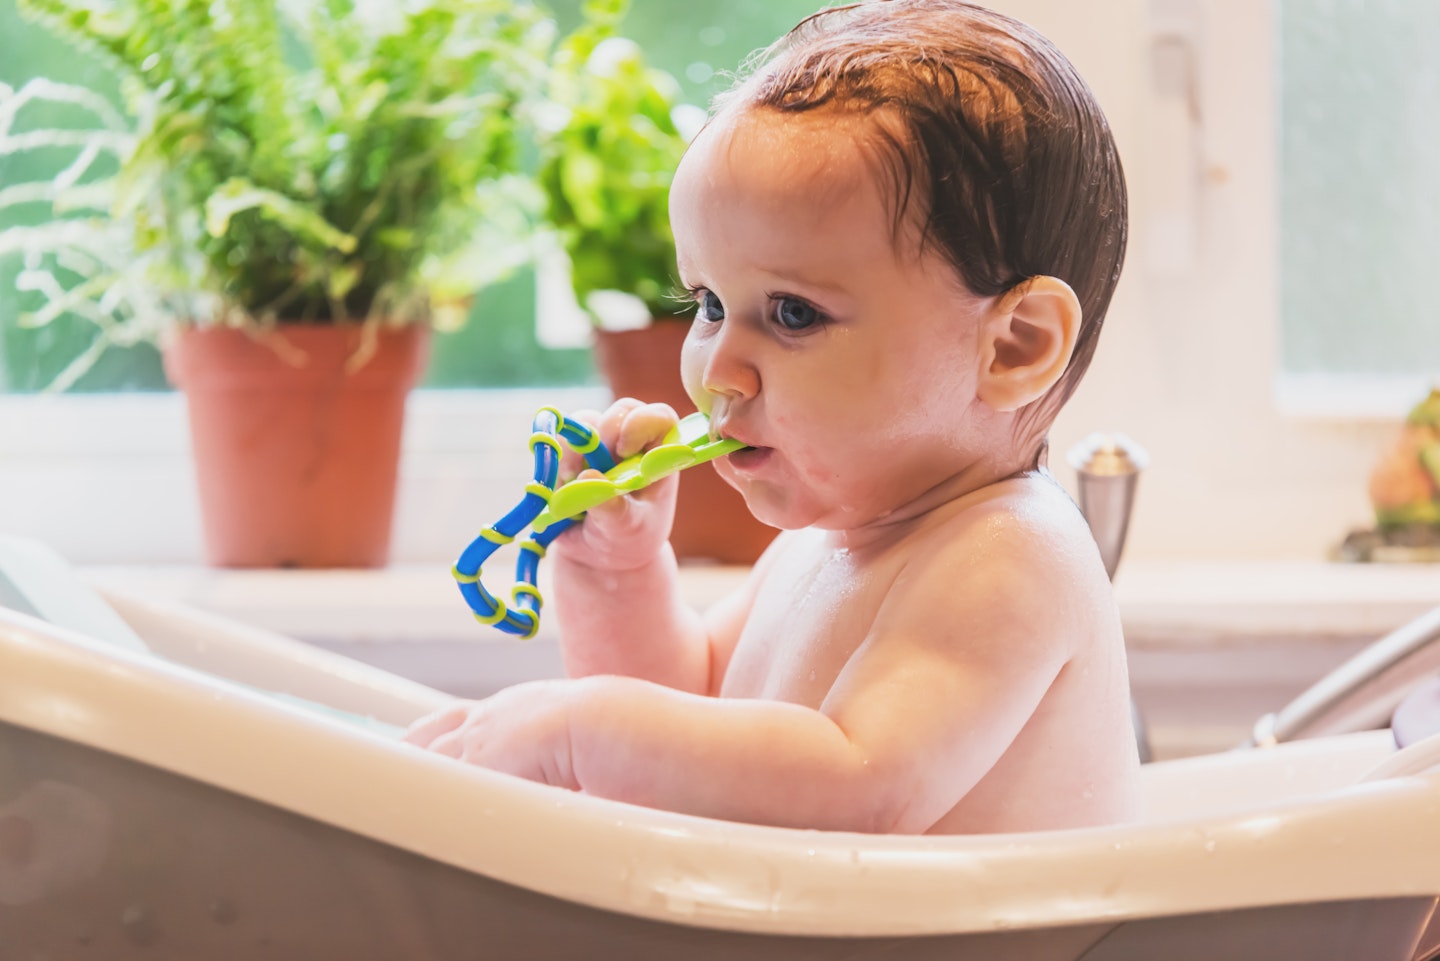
x=847 y=363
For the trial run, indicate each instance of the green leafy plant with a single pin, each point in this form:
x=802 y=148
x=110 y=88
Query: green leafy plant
x=608 y=149
x=313 y=160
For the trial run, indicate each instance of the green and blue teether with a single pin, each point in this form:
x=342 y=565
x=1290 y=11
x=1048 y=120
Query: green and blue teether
x=550 y=511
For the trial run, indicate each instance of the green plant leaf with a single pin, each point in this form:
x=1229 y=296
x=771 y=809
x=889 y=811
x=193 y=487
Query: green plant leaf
x=1430 y=460
x=608 y=153
x=236 y=196
x=1427 y=412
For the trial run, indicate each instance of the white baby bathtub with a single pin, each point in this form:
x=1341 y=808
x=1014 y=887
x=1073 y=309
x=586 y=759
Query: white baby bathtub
x=161 y=804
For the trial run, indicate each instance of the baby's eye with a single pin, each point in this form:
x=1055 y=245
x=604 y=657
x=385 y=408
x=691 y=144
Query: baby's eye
x=708 y=307
x=795 y=314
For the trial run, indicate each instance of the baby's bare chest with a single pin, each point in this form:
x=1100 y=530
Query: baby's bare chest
x=808 y=619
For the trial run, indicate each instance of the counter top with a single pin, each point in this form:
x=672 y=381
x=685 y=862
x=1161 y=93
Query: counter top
x=1211 y=646
x=1162 y=604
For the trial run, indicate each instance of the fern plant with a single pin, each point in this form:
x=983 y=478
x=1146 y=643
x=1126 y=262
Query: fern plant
x=317 y=160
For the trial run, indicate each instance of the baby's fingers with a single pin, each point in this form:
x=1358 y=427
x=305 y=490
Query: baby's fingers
x=607 y=425
x=643 y=427
x=628 y=427
x=450 y=744
x=423 y=732
x=613 y=421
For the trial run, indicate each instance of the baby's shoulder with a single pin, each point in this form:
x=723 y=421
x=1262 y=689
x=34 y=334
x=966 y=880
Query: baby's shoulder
x=1023 y=517
x=1014 y=544
x=1019 y=560
x=1014 y=565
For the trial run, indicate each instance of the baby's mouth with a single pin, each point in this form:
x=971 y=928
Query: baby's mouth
x=748 y=454
x=748 y=458
x=723 y=435
x=736 y=440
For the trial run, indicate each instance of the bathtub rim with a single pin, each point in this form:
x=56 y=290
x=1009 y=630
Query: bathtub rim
x=648 y=863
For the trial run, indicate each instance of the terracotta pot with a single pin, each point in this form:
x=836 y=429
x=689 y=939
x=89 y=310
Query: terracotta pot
x=711 y=519
x=295 y=456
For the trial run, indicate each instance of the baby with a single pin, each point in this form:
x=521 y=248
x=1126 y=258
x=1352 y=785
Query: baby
x=901 y=234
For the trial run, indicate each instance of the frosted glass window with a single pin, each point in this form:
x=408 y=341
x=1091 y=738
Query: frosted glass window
x=1360 y=186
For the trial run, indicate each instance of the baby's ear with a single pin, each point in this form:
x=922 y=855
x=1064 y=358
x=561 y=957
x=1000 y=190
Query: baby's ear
x=1026 y=341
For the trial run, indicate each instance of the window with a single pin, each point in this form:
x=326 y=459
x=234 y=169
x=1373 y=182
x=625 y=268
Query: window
x=1208 y=99
x=1200 y=357
x=1359 y=197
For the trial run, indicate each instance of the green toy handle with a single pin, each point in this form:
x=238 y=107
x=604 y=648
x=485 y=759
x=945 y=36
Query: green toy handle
x=687 y=444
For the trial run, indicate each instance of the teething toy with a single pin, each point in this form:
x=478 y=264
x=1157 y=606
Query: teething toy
x=549 y=511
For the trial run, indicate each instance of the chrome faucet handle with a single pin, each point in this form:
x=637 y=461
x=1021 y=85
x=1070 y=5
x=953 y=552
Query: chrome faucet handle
x=1107 y=468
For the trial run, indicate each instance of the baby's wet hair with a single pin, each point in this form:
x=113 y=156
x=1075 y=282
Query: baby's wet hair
x=994 y=145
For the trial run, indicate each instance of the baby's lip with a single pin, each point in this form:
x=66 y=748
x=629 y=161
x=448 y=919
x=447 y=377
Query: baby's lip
x=723 y=432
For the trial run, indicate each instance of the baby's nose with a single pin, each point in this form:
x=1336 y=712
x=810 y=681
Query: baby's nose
x=729 y=369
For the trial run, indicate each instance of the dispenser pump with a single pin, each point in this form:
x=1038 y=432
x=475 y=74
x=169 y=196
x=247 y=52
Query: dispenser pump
x=1107 y=468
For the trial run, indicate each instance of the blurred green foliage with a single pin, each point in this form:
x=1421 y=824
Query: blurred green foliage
x=696 y=42
x=608 y=151
x=319 y=160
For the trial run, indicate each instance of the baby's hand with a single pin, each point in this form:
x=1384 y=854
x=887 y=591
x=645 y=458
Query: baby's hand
x=627 y=532
x=523 y=730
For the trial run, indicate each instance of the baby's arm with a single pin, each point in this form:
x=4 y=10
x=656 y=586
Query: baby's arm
x=635 y=623
x=961 y=652
x=960 y=655
x=616 y=589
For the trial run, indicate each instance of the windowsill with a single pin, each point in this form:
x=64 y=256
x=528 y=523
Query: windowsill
x=1342 y=398
x=404 y=603
x=1164 y=604
x=1212 y=647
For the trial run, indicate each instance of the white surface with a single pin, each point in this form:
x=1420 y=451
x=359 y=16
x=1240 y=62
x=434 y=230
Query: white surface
x=1212 y=647
x=109 y=478
x=1163 y=604
x=35 y=579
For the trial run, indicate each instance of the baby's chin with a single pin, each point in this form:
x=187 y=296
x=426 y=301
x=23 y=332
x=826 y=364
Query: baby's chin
x=788 y=512
x=765 y=479
x=758 y=499
x=775 y=508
